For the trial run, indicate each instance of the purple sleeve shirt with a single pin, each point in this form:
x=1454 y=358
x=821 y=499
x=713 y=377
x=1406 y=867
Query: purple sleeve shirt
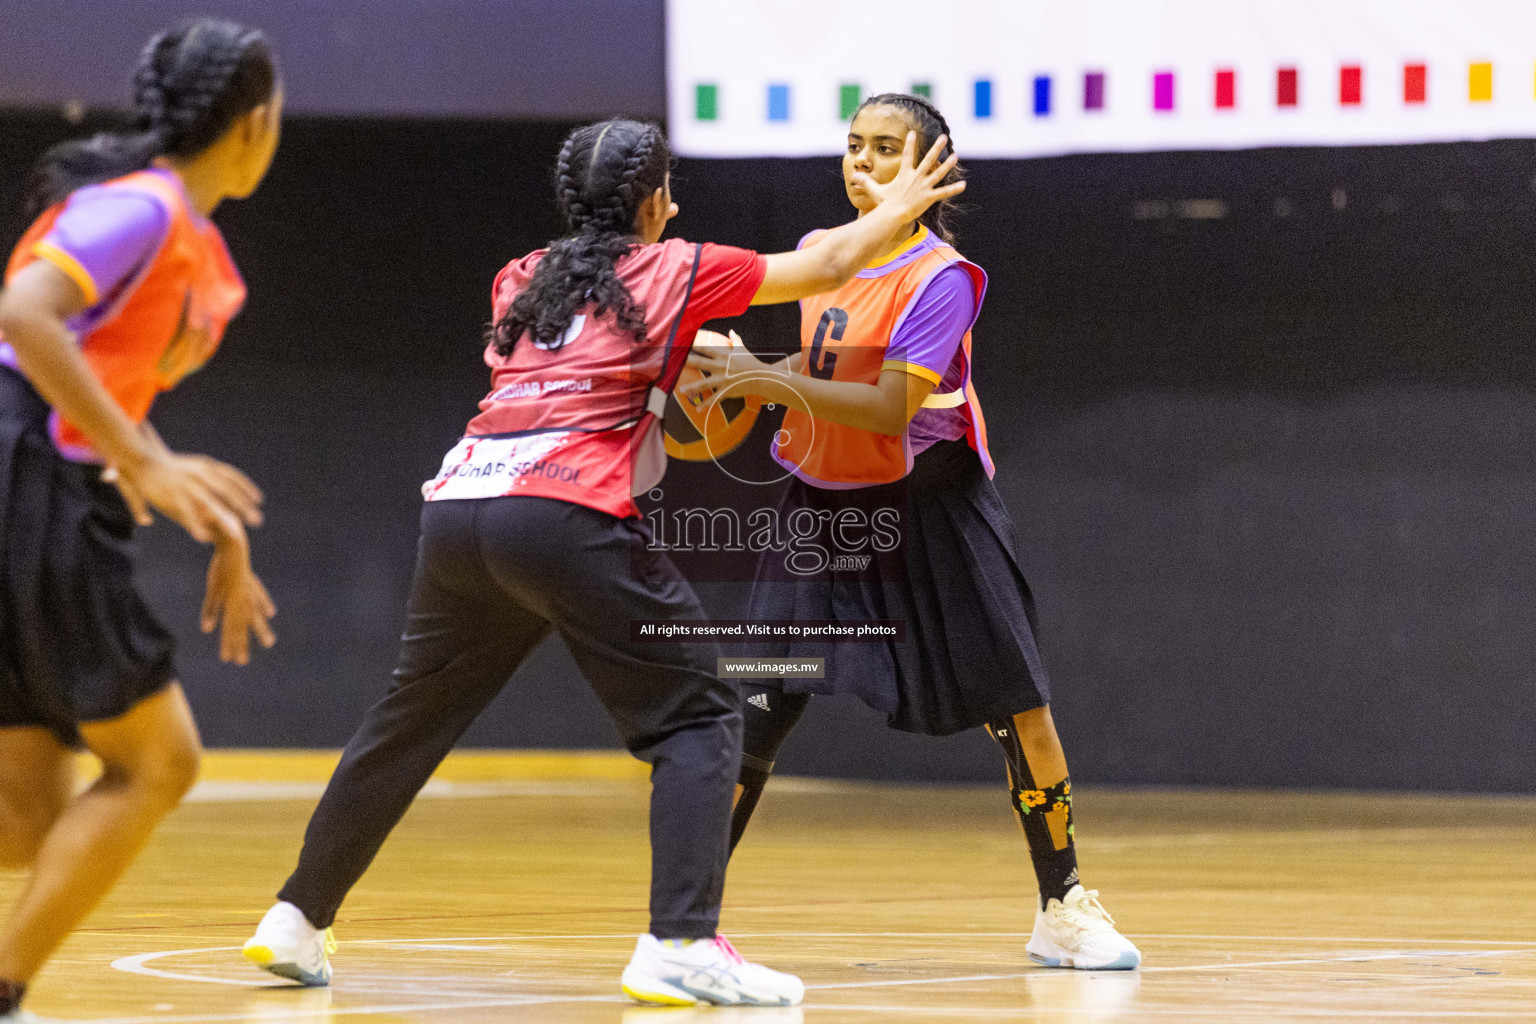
x=102 y=239
x=929 y=340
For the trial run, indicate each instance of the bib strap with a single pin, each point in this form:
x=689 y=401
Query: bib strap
x=656 y=402
x=948 y=400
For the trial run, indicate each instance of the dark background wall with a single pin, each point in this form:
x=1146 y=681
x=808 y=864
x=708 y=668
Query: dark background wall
x=1264 y=421
x=499 y=58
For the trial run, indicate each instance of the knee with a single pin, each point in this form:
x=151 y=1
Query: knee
x=1036 y=729
x=165 y=774
x=176 y=769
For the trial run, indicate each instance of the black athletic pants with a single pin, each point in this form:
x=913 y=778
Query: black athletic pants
x=493 y=577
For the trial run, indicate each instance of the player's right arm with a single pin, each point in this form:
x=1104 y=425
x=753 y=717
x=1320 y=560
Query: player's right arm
x=211 y=500
x=840 y=253
x=207 y=497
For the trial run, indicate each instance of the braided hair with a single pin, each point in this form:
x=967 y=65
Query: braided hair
x=924 y=118
x=192 y=82
x=604 y=172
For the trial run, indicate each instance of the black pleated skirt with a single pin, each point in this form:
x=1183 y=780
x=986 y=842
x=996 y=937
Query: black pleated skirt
x=969 y=655
x=77 y=641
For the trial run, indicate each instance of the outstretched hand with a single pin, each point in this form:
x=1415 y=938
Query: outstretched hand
x=724 y=368
x=919 y=183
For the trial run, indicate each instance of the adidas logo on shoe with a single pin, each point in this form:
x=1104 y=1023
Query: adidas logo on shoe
x=759 y=700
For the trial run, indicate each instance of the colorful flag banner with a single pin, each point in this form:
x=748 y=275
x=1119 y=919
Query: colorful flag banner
x=781 y=77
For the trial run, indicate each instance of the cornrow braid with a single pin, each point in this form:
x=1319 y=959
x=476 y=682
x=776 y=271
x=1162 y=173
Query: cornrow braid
x=201 y=68
x=925 y=119
x=148 y=89
x=192 y=82
x=568 y=188
x=602 y=175
x=638 y=159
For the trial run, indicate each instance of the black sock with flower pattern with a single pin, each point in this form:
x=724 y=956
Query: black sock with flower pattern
x=1046 y=815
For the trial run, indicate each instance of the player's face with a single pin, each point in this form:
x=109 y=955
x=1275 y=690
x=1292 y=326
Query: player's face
x=875 y=141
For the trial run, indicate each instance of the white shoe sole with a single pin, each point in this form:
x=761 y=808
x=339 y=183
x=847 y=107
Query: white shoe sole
x=653 y=991
x=264 y=957
x=1048 y=955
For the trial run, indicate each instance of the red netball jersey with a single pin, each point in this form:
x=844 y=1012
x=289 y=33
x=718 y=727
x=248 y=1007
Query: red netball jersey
x=165 y=322
x=581 y=422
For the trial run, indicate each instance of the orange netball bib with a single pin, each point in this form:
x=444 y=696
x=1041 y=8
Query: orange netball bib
x=844 y=336
x=171 y=318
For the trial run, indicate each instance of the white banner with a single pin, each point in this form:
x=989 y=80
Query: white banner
x=1021 y=78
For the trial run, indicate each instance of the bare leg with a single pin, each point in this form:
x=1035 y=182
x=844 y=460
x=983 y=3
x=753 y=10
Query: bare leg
x=150 y=757
x=36 y=784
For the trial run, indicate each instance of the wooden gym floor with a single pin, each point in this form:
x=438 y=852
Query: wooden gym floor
x=514 y=889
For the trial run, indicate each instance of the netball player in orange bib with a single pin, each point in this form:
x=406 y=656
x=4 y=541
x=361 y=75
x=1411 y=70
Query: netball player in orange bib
x=531 y=529
x=883 y=415
x=121 y=288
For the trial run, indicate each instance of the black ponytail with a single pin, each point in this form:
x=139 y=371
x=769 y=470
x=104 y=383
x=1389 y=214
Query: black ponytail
x=191 y=84
x=605 y=171
x=924 y=118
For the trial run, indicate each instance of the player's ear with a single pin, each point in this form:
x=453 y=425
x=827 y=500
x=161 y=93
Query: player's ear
x=666 y=197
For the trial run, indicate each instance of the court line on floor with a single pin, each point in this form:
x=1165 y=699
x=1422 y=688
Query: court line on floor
x=1420 y=941
x=1329 y=938
x=1362 y=958
x=327 y=1012
x=1406 y=954
x=137 y=965
x=1035 y=1010
x=456 y=942
x=1032 y=1011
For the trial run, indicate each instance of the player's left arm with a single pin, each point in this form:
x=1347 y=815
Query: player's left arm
x=922 y=348
x=885 y=407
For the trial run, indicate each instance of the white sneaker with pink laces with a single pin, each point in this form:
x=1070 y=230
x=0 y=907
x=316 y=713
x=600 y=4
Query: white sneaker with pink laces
x=683 y=972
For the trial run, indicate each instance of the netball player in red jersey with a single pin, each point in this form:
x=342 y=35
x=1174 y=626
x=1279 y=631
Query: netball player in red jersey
x=531 y=529
x=882 y=414
x=120 y=288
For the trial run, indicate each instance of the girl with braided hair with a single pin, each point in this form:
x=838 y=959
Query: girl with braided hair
x=882 y=417
x=121 y=287
x=531 y=529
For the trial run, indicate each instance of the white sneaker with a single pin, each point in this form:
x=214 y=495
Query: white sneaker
x=290 y=947
x=23 y=1017
x=705 y=970
x=1078 y=932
